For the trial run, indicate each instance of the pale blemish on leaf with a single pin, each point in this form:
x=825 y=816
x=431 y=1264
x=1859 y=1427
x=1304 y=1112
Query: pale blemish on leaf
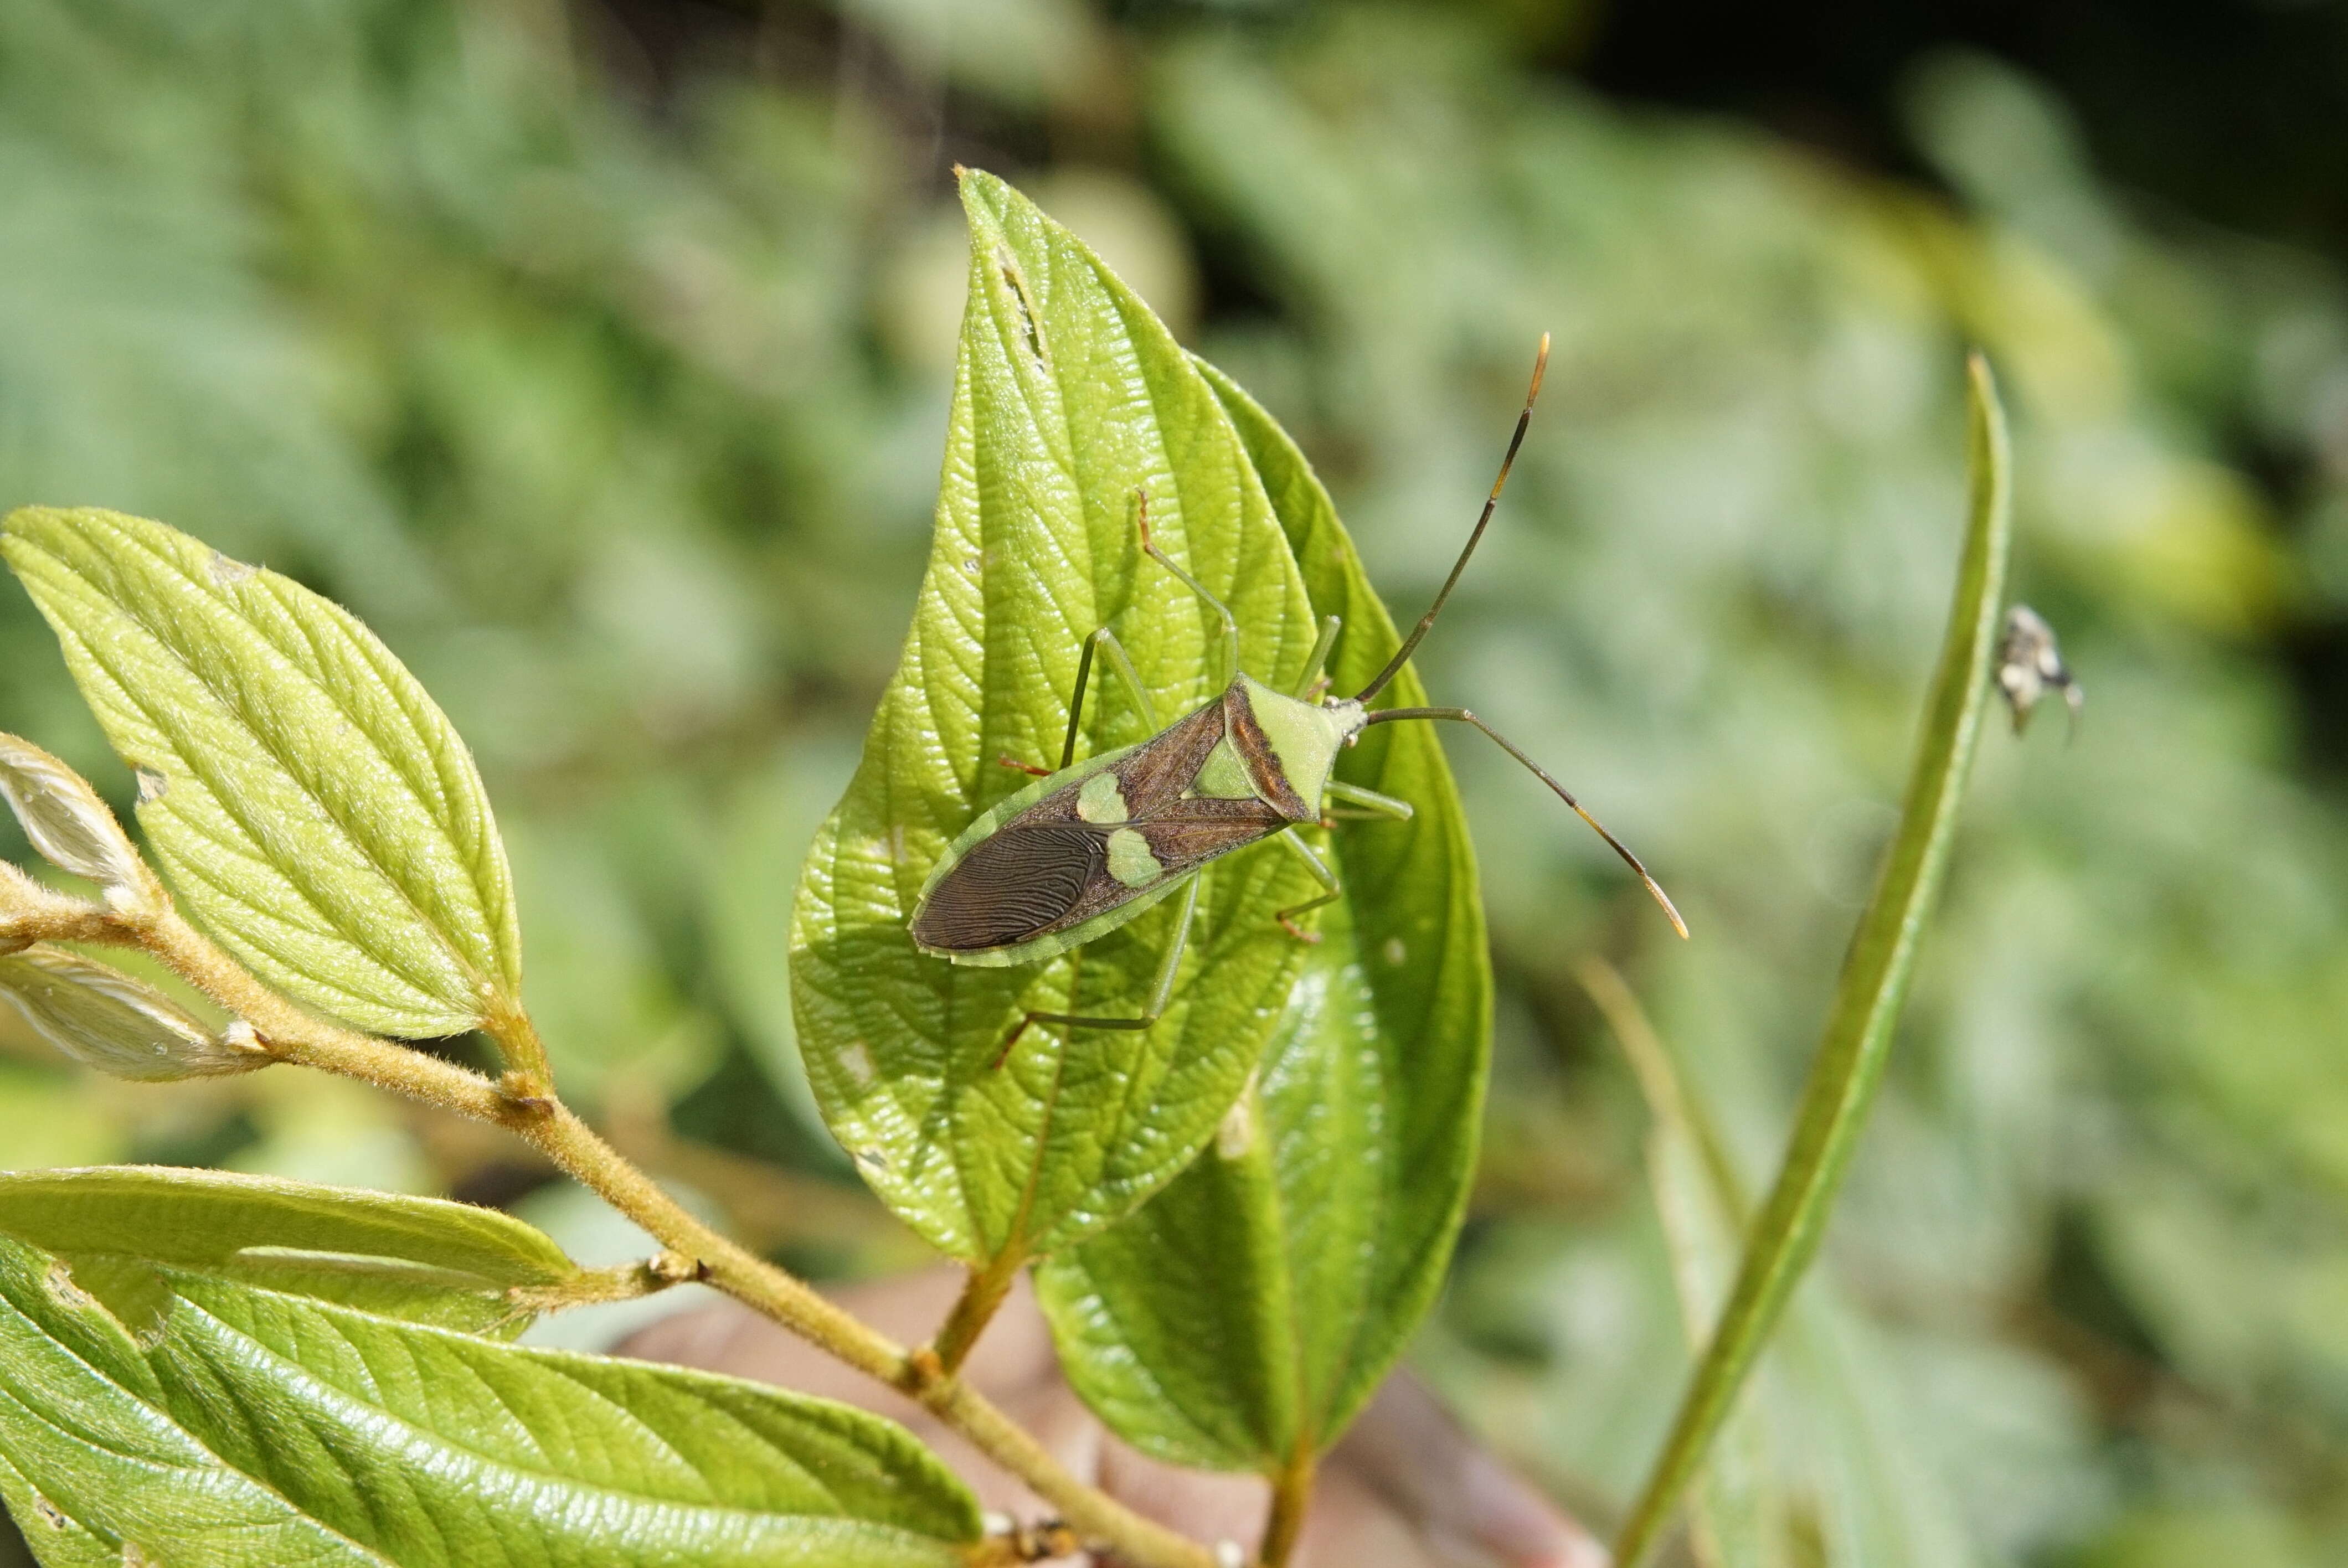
x=1236 y=1136
x=59 y=1283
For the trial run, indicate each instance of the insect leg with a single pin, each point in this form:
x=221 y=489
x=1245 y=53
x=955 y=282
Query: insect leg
x=1319 y=868
x=1320 y=659
x=1373 y=803
x=1161 y=990
x=1231 y=624
x=1106 y=639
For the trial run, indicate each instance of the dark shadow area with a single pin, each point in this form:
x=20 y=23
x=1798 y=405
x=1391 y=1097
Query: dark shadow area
x=2230 y=111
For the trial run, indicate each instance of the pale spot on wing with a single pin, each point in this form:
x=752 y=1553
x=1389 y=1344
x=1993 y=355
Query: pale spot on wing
x=1131 y=861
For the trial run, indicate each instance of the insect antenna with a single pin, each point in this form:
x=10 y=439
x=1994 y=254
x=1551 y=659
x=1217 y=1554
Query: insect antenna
x=1462 y=716
x=1402 y=654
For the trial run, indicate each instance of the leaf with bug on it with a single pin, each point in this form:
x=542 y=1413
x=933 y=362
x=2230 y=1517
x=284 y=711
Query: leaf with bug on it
x=1070 y=399
x=1090 y=848
x=1239 y=1320
x=997 y=1143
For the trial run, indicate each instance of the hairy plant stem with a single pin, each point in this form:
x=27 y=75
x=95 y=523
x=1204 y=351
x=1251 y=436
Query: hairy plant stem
x=596 y=1287
x=1292 y=1495
x=974 y=1309
x=524 y=1105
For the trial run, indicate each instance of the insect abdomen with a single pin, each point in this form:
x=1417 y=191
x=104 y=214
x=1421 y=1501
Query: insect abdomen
x=1010 y=886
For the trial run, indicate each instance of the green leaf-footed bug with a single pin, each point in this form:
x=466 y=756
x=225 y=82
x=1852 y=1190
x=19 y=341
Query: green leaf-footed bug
x=1084 y=849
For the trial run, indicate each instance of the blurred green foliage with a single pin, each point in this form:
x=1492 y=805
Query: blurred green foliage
x=609 y=386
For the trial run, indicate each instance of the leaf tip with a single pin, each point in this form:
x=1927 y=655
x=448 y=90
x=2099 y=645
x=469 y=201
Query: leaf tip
x=1982 y=394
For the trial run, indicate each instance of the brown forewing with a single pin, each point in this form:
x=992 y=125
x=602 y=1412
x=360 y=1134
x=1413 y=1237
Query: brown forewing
x=1192 y=831
x=1183 y=836
x=1150 y=777
x=1016 y=883
x=1047 y=869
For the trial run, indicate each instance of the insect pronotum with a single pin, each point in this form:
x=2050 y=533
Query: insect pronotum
x=1087 y=848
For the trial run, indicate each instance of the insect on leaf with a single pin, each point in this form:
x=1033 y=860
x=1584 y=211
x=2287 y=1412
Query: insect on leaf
x=1068 y=397
x=253 y=1428
x=310 y=804
x=1252 y=1307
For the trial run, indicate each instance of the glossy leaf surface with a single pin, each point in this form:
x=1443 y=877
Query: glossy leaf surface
x=1249 y=1310
x=258 y=1430
x=309 y=802
x=1069 y=396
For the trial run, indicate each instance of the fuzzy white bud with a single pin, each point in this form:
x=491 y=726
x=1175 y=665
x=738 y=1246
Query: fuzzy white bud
x=62 y=816
x=18 y=891
x=104 y=1018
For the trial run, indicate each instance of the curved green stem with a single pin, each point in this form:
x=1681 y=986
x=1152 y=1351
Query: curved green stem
x=1868 y=999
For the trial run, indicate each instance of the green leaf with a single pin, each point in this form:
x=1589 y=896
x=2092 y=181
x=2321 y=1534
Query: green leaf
x=423 y=1259
x=309 y=802
x=260 y=1431
x=1739 y=1513
x=1068 y=396
x=1248 y=1311
x=1873 y=987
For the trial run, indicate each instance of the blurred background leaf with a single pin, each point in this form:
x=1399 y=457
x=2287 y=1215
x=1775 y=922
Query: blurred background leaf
x=596 y=352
